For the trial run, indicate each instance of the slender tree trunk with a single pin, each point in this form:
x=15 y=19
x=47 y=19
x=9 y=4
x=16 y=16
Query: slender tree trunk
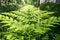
x=23 y=2
x=38 y=6
x=0 y=2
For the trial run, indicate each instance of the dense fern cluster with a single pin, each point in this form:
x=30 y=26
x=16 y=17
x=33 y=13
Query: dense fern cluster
x=23 y=24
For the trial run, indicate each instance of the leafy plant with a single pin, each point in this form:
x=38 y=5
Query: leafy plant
x=22 y=24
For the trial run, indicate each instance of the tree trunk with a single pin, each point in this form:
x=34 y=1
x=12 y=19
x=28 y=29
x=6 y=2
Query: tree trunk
x=23 y=2
x=38 y=6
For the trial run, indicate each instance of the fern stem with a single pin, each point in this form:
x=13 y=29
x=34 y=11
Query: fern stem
x=38 y=6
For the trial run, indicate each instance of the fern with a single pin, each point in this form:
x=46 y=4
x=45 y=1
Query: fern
x=22 y=24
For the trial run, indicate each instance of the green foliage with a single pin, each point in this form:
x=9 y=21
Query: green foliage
x=23 y=24
x=31 y=2
x=10 y=7
x=50 y=6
